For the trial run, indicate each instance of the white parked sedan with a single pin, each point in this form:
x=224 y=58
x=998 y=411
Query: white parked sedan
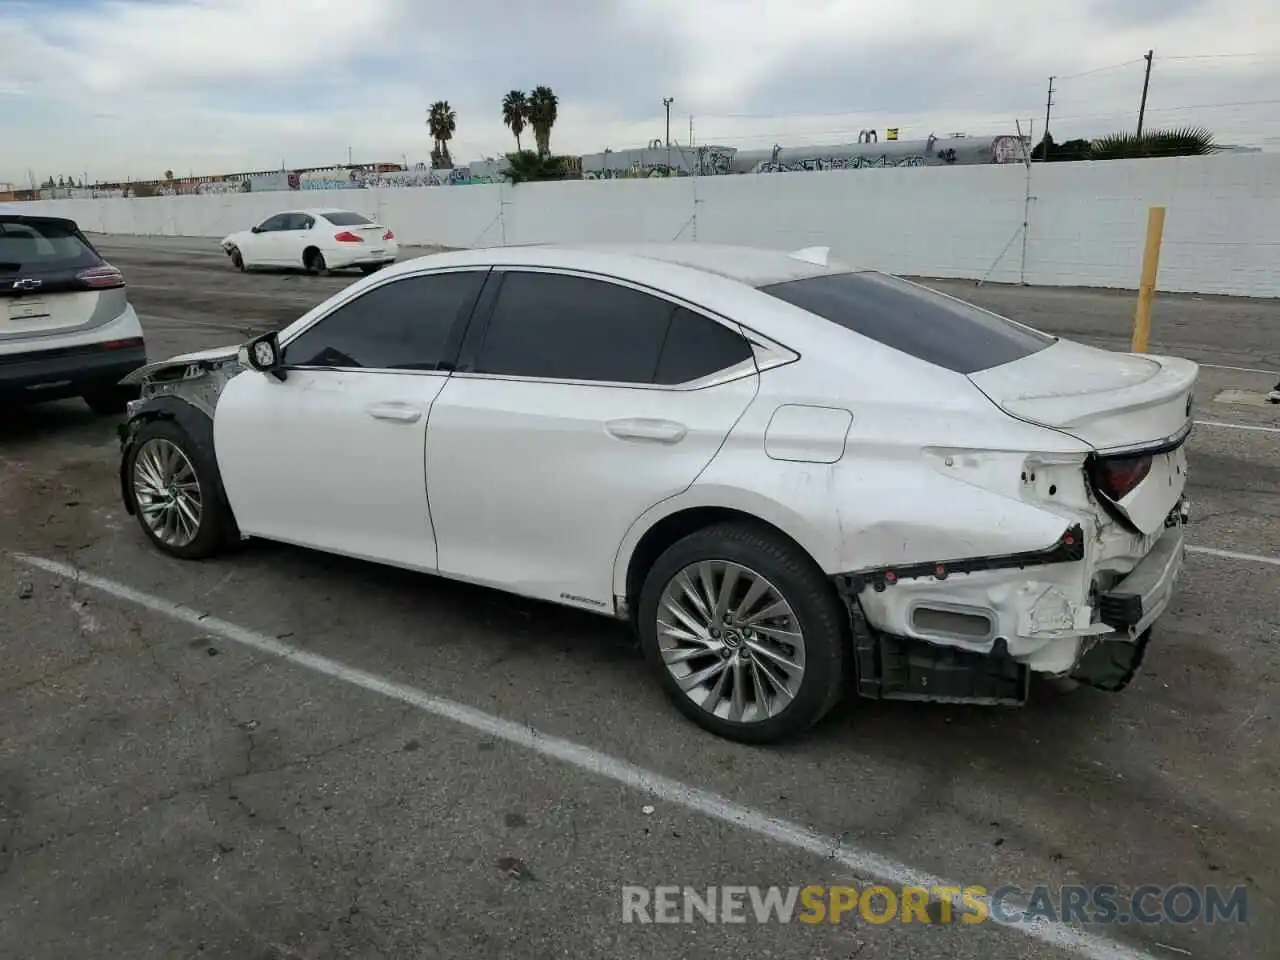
x=316 y=240
x=788 y=475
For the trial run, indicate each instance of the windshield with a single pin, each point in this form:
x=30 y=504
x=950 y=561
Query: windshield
x=38 y=245
x=347 y=219
x=911 y=318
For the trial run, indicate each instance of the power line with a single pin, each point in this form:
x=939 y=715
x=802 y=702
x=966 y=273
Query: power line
x=1222 y=56
x=1114 y=66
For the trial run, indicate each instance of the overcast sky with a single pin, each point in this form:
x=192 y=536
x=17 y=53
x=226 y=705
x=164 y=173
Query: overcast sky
x=116 y=88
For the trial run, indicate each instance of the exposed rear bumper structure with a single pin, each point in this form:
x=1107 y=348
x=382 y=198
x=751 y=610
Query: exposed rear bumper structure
x=56 y=374
x=1009 y=621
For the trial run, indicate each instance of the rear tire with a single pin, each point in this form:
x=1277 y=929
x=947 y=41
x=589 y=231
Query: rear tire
x=371 y=268
x=110 y=401
x=172 y=488
x=810 y=630
x=314 y=261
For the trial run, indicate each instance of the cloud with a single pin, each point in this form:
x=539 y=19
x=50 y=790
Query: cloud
x=121 y=88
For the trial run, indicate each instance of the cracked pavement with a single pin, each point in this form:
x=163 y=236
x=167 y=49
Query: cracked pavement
x=165 y=792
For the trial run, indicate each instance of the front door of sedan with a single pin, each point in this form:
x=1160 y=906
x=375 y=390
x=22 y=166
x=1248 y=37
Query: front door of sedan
x=332 y=457
x=258 y=247
x=293 y=238
x=578 y=404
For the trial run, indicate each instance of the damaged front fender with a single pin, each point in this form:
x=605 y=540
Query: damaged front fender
x=196 y=378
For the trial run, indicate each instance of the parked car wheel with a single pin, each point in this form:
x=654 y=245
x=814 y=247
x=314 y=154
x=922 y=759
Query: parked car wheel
x=171 y=483
x=314 y=261
x=745 y=633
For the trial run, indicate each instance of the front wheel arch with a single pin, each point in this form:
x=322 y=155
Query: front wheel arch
x=199 y=426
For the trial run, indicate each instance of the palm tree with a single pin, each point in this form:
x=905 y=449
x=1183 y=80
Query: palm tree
x=515 y=111
x=544 y=107
x=1180 y=142
x=442 y=121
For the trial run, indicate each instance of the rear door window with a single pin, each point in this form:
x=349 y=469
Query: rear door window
x=913 y=319
x=39 y=245
x=696 y=347
x=564 y=327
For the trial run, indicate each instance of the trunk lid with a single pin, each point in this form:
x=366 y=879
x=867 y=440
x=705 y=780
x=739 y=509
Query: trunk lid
x=1128 y=407
x=44 y=262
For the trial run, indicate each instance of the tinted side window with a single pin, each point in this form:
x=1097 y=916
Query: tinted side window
x=402 y=325
x=573 y=328
x=278 y=222
x=948 y=333
x=697 y=346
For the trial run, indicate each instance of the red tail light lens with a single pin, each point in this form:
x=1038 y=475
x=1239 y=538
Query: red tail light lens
x=346 y=236
x=103 y=277
x=388 y=235
x=1117 y=477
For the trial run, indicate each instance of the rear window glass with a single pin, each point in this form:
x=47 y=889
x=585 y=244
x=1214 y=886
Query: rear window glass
x=347 y=219
x=918 y=321
x=40 y=245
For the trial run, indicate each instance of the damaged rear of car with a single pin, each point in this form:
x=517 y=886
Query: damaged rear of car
x=1105 y=468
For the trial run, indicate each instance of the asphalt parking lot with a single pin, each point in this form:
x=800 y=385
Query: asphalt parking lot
x=172 y=786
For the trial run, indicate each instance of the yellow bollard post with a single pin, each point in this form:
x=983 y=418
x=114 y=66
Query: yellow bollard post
x=1147 y=286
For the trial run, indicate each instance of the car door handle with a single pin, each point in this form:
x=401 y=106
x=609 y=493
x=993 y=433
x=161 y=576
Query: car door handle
x=399 y=412
x=661 y=431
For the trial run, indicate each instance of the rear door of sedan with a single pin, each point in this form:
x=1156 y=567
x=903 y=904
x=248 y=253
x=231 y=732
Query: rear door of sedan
x=579 y=402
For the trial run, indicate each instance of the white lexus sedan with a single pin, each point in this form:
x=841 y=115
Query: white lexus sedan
x=315 y=240
x=790 y=476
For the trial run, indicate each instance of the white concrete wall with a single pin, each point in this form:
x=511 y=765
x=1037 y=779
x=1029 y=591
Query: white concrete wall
x=1222 y=232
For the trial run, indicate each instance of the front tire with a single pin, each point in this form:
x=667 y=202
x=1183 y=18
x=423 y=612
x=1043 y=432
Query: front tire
x=173 y=492
x=745 y=633
x=237 y=260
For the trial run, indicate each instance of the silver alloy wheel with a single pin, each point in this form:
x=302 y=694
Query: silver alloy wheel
x=168 y=492
x=731 y=641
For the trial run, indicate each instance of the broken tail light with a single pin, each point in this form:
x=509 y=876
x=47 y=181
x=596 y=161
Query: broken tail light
x=346 y=236
x=102 y=277
x=1117 y=477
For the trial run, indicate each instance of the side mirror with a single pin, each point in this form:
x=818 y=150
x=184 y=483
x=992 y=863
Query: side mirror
x=255 y=229
x=264 y=355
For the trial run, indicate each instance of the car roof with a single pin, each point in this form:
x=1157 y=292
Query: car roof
x=753 y=266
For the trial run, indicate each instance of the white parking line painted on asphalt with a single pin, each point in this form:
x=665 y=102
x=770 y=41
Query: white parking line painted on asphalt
x=1233 y=555
x=864 y=863
x=1237 y=426
x=1220 y=366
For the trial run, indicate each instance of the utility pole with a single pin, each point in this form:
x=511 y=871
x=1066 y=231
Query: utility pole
x=666 y=102
x=1048 y=106
x=1146 y=82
